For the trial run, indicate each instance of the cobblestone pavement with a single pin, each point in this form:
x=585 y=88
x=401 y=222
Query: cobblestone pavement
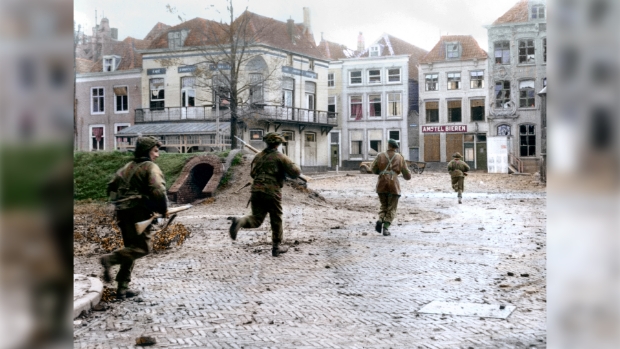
x=342 y=285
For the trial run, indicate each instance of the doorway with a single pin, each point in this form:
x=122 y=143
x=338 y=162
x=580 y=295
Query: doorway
x=481 y=151
x=310 y=149
x=431 y=148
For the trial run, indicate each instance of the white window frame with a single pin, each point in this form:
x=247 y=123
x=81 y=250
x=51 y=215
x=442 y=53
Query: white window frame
x=387 y=73
x=351 y=117
x=370 y=82
x=116 y=131
x=380 y=104
x=453 y=75
x=360 y=155
x=335 y=104
x=91 y=100
x=450 y=50
x=400 y=95
x=472 y=80
x=361 y=77
x=330 y=80
x=374 y=51
x=151 y=92
x=382 y=145
x=536 y=12
x=90 y=136
x=436 y=75
x=526 y=48
x=115 y=103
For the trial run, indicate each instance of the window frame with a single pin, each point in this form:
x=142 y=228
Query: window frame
x=527 y=98
x=127 y=124
x=361 y=78
x=397 y=140
x=374 y=49
x=116 y=101
x=90 y=137
x=436 y=81
x=256 y=86
x=535 y=12
x=481 y=79
x=163 y=99
x=449 y=51
x=502 y=49
x=259 y=131
x=370 y=140
x=528 y=137
x=508 y=126
x=92 y=97
x=426 y=110
x=185 y=89
x=330 y=80
x=526 y=54
x=448 y=109
x=361 y=103
x=370 y=82
x=388 y=75
x=544 y=49
x=458 y=82
x=332 y=114
x=505 y=99
x=484 y=106
x=388 y=105
x=370 y=105
x=359 y=155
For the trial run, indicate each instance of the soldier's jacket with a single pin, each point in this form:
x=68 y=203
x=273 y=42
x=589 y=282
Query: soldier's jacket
x=388 y=172
x=269 y=169
x=457 y=168
x=139 y=183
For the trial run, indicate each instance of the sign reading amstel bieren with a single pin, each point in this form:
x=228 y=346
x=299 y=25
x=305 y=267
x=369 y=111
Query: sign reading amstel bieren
x=444 y=128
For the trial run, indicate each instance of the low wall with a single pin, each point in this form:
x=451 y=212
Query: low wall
x=199 y=179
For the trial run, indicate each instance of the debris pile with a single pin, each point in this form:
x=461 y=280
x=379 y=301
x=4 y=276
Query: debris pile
x=174 y=233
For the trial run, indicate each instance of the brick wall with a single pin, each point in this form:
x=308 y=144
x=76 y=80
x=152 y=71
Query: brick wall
x=200 y=178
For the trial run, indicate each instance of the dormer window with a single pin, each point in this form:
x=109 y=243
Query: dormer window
x=375 y=51
x=452 y=50
x=538 y=12
x=176 y=39
x=111 y=63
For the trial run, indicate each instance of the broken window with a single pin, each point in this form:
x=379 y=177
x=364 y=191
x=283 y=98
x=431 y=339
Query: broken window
x=502 y=52
x=395 y=135
x=527 y=94
x=526 y=51
x=176 y=39
x=288 y=87
x=256 y=135
x=454 y=111
x=394 y=75
x=188 y=92
x=355 y=77
x=432 y=112
x=476 y=79
x=375 y=51
x=454 y=81
x=431 y=82
x=374 y=105
x=538 y=12
x=394 y=104
x=97 y=135
x=157 y=93
x=120 y=99
x=452 y=50
x=118 y=141
x=288 y=135
x=108 y=64
x=221 y=88
x=310 y=95
x=544 y=42
x=256 y=88
x=374 y=142
x=502 y=93
x=330 y=80
x=477 y=109
x=355 y=107
x=331 y=107
x=97 y=100
x=374 y=76
x=527 y=140
x=356 y=137
x=503 y=130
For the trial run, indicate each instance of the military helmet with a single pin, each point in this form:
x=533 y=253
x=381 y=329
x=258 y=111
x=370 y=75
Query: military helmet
x=273 y=137
x=393 y=143
x=457 y=155
x=145 y=144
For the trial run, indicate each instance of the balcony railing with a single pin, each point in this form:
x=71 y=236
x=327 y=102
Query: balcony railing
x=268 y=112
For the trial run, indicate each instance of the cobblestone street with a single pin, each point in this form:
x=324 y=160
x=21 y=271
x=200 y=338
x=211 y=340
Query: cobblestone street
x=342 y=285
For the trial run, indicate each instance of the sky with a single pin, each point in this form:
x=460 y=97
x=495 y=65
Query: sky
x=419 y=22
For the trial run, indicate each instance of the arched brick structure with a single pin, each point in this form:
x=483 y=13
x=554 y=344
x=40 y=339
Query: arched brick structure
x=199 y=179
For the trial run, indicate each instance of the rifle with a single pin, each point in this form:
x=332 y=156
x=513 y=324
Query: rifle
x=256 y=151
x=141 y=226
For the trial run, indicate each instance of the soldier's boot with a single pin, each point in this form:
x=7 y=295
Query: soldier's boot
x=378 y=226
x=278 y=250
x=386 y=229
x=234 y=227
x=460 y=197
x=123 y=291
x=106 y=264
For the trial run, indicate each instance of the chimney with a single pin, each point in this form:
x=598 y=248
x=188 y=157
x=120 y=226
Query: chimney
x=307 y=23
x=360 y=42
x=290 y=26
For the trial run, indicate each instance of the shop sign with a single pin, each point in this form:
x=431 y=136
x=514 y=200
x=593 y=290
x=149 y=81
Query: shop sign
x=295 y=71
x=156 y=71
x=444 y=128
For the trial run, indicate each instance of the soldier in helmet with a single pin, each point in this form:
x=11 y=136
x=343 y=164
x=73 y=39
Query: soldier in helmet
x=388 y=166
x=458 y=170
x=138 y=191
x=269 y=169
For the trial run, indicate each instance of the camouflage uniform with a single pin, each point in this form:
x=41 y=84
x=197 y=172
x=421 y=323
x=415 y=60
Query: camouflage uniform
x=138 y=190
x=388 y=166
x=269 y=169
x=457 y=169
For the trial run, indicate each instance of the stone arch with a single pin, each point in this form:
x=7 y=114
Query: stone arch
x=199 y=179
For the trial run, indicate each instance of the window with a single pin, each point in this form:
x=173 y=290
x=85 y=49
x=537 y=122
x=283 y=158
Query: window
x=288 y=86
x=120 y=99
x=374 y=105
x=111 y=63
x=526 y=94
x=355 y=77
x=330 y=80
x=188 y=92
x=256 y=88
x=176 y=39
x=375 y=51
x=395 y=135
x=394 y=104
x=256 y=135
x=310 y=137
x=477 y=109
x=289 y=59
x=311 y=64
x=502 y=93
x=544 y=42
x=374 y=142
x=288 y=135
x=157 y=94
x=394 y=75
x=334 y=137
x=454 y=111
x=331 y=107
x=356 y=138
x=221 y=88
x=432 y=112
x=527 y=140
x=374 y=76
x=97 y=136
x=310 y=95
x=355 y=107
x=526 y=51
x=538 y=12
x=120 y=140
x=502 y=52
x=431 y=82
x=97 y=97
x=476 y=79
x=452 y=50
x=503 y=130
x=544 y=82
x=454 y=81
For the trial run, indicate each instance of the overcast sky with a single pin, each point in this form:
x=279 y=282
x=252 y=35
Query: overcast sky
x=419 y=22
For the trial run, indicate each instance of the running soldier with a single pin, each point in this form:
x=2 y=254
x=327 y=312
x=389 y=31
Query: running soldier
x=458 y=170
x=269 y=168
x=388 y=166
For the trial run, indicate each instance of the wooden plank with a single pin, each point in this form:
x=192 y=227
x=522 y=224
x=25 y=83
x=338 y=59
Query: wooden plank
x=431 y=148
x=454 y=143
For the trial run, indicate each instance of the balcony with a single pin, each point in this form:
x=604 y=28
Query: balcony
x=267 y=113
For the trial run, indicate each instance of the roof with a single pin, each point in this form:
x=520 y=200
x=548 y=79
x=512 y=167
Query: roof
x=83 y=65
x=469 y=46
x=392 y=46
x=126 y=49
x=334 y=51
x=156 y=31
x=173 y=128
x=200 y=32
x=517 y=14
x=137 y=43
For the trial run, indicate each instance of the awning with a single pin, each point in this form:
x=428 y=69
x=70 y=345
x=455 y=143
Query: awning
x=180 y=128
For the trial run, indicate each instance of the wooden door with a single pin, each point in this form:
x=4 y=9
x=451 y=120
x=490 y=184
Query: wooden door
x=431 y=148
x=481 y=156
x=454 y=143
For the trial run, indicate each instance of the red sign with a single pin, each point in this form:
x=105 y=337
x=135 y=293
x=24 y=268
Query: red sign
x=444 y=128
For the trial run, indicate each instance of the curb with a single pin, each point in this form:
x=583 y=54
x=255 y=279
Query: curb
x=90 y=298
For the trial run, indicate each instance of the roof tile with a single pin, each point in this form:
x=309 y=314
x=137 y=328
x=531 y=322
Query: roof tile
x=469 y=45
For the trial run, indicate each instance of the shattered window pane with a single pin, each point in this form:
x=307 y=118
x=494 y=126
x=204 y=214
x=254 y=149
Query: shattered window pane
x=526 y=51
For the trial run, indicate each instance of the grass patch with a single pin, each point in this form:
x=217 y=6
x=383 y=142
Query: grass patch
x=228 y=176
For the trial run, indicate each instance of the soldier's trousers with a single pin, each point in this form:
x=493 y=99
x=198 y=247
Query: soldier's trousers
x=458 y=184
x=389 y=203
x=263 y=204
x=135 y=245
